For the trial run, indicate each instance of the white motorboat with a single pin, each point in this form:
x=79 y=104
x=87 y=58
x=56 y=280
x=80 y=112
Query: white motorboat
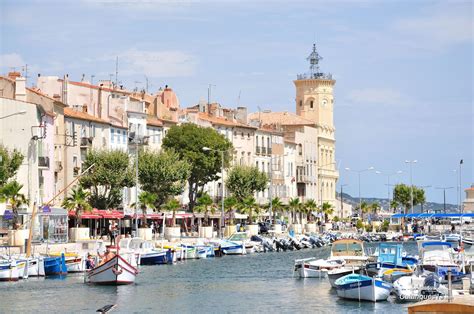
x=316 y=268
x=34 y=266
x=116 y=271
x=8 y=270
x=360 y=287
x=436 y=257
x=418 y=287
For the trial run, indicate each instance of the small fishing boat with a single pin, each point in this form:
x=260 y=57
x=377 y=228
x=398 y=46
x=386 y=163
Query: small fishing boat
x=157 y=257
x=75 y=263
x=116 y=271
x=316 y=268
x=8 y=270
x=389 y=257
x=335 y=274
x=55 y=265
x=360 y=287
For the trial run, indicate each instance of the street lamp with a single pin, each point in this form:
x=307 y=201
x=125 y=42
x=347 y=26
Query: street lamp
x=206 y=149
x=14 y=114
x=444 y=188
x=411 y=162
x=359 y=172
x=388 y=175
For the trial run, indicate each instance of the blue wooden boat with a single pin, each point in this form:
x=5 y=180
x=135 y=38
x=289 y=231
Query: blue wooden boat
x=156 y=257
x=390 y=257
x=360 y=287
x=55 y=265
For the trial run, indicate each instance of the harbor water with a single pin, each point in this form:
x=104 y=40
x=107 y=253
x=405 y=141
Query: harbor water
x=250 y=283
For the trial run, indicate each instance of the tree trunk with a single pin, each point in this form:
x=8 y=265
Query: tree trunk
x=173 y=220
x=144 y=217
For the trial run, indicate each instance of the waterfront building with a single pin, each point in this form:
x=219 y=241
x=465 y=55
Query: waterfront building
x=469 y=200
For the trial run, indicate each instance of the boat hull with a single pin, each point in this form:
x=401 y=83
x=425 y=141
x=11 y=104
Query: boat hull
x=117 y=271
x=335 y=274
x=369 y=290
x=54 y=266
x=8 y=271
x=156 y=258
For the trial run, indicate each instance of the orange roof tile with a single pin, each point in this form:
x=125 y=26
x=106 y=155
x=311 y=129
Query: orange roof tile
x=40 y=93
x=153 y=121
x=222 y=121
x=71 y=113
x=283 y=118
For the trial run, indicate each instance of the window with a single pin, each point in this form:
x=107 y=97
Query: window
x=112 y=135
x=301 y=103
x=93 y=131
x=311 y=103
x=124 y=137
x=256 y=164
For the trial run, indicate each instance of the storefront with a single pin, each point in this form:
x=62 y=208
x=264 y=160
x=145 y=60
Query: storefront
x=51 y=225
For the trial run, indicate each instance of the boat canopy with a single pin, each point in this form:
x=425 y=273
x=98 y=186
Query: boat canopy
x=433 y=243
x=433 y=215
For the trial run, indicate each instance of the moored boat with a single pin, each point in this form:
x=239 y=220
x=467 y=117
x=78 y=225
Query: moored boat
x=8 y=270
x=316 y=268
x=116 y=271
x=360 y=287
x=55 y=265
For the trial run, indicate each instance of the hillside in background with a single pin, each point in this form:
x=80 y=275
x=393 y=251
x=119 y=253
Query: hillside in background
x=427 y=207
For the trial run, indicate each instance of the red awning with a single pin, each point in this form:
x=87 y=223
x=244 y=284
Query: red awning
x=86 y=215
x=111 y=214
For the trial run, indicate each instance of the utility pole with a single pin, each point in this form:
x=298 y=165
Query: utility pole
x=116 y=72
x=460 y=205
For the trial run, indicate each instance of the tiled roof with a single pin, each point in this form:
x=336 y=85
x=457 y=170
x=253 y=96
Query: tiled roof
x=222 y=121
x=40 y=93
x=96 y=87
x=154 y=121
x=283 y=118
x=71 y=113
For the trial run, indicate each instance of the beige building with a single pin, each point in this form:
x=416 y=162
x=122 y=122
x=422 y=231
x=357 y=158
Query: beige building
x=469 y=200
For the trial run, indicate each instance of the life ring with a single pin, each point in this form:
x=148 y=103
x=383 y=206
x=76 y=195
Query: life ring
x=117 y=270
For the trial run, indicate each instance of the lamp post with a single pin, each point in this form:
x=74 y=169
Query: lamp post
x=388 y=175
x=342 y=202
x=21 y=112
x=411 y=162
x=359 y=172
x=444 y=195
x=222 y=224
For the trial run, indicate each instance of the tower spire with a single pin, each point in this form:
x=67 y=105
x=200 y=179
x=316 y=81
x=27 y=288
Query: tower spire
x=314 y=59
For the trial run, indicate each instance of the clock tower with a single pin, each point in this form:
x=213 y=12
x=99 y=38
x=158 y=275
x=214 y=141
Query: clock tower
x=314 y=93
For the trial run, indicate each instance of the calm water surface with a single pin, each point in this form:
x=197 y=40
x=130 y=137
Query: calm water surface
x=252 y=283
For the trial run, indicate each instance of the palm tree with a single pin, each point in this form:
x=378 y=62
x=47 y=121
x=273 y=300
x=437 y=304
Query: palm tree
x=10 y=193
x=364 y=208
x=248 y=206
x=375 y=207
x=77 y=201
x=204 y=205
x=294 y=205
x=327 y=209
x=394 y=204
x=172 y=205
x=277 y=207
x=229 y=205
x=146 y=200
x=310 y=206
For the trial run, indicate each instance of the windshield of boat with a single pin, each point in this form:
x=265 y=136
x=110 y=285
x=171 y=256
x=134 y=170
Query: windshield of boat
x=347 y=249
x=135 y=243
x=238 y=237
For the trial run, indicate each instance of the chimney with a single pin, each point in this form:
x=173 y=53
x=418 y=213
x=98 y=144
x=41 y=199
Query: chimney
x=13 y=75
x=241 y=115
x=84 y=108
x=20 y=88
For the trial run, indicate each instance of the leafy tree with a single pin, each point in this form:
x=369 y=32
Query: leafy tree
x=230 y=203
x=172 y=205
x=204 y=205
x=394 y=204
x=146 y=200
x=188 y=141
x=162 y=174
x=10 y=162
x=112 y=172
x=244 y=181
x=249 y=206
x=402 y=196
x=327 y=209
x=78 y=201
x=336 y=219
x=10 y=193
x=310 y=206
x=294 y=205
x=364 y=209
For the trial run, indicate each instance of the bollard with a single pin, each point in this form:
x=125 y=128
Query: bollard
x=450 y=287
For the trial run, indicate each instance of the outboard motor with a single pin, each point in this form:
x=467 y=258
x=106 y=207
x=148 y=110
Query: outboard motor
x=431 y=285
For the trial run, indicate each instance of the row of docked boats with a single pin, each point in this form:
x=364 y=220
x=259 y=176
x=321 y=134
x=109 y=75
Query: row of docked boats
x=13 y=268
x=389 y=270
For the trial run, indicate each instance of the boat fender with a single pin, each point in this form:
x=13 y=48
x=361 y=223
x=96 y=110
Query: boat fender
x=106 y=308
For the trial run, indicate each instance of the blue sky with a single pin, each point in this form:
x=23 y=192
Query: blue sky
x=404 y=69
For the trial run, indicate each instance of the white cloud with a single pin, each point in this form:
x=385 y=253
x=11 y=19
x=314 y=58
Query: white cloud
x=170 y=63
x=376 y=96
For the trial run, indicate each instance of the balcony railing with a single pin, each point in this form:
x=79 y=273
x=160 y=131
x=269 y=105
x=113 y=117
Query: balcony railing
x=86 y=141
x=43 y=162
x=257 y=150
x=264 y=150
x=269 y=150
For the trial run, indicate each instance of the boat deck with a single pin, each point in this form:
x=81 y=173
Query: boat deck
x=459 y=304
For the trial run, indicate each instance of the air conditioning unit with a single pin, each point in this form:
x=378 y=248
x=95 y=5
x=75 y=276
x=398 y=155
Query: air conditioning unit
x=43 y=162
x=58 y=166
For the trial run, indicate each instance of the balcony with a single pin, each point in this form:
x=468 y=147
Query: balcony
x=257 y=150
x=301 y=178
x=269 y=150
x=264 y=150
x=43 y=162
x=86 y=141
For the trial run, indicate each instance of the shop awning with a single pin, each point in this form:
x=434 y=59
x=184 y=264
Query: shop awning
x=99 y=214
x=433 y=215
x=111 y=214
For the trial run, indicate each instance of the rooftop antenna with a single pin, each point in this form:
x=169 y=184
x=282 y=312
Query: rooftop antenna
x=238 y=98
x=83 y=76
x=25 y=69
x=136 y=82
x=146 y=84
x=116 y=72
x=314 y=59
